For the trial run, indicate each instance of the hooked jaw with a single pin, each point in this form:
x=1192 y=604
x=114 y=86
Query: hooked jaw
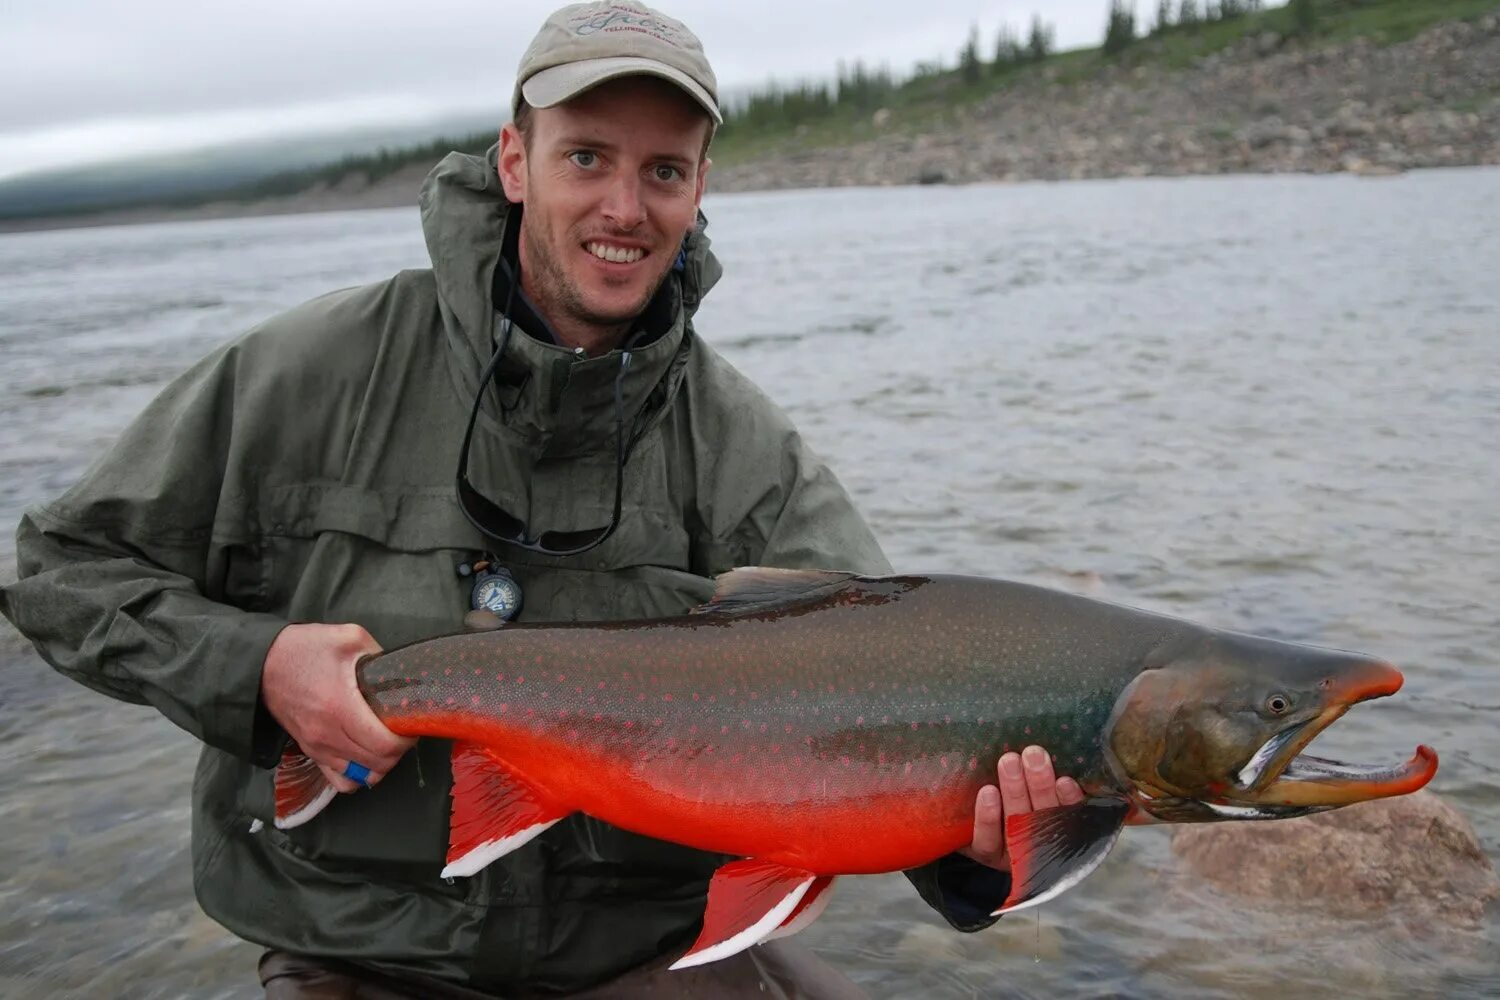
x=1279 y=775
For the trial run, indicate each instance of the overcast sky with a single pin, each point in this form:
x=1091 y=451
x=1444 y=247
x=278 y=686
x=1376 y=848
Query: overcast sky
x=90 y=80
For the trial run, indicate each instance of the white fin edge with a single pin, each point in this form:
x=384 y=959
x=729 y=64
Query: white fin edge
x=752 y=935
x=308 y=811
x=1083 y=871
x=475 y=860
x=800 y=921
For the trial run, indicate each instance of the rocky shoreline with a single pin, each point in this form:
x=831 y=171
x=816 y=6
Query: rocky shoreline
x=1266 y=105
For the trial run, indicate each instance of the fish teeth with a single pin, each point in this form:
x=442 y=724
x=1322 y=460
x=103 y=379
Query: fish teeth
x=614 y=254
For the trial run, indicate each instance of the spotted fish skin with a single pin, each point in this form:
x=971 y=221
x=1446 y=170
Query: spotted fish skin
x=842 y=734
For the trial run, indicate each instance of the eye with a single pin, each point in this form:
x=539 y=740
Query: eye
x=1278 y=704
x=585 y=158
x=667 y=173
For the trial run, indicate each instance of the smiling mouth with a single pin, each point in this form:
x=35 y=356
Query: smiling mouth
x=613 y=254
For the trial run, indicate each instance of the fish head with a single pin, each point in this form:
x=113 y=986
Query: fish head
x=1216 y=724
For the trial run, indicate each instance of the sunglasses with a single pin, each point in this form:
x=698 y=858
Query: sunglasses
x=499 y=524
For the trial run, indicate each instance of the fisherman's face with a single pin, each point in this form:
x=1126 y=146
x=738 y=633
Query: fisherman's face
x=611 y=183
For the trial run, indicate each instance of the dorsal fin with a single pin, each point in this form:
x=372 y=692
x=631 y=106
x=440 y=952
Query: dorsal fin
x=750 y=589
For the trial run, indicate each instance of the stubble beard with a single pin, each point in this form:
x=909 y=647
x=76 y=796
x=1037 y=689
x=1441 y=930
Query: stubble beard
x=557 y=294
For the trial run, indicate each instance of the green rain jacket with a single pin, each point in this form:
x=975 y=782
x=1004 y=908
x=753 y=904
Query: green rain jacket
x=304 y=473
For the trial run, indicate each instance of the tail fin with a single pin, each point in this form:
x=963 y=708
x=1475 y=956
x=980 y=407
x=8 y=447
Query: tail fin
x=301 y=789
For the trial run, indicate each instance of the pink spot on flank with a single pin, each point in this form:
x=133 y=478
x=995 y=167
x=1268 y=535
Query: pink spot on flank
x=787 y=727
x=914 y=725
x=1028 y=730
x=474 y=700
x=944 y=762
x=860 y=721
x=504 y=707
x=844 y=761
x=544 y=694
x=1065 y=727
x=561 y=678
x=478 y=671
x=666 y=697
x=405 y=702
x=880 y=758
x=1078 y=760
x=452 y=701
x=762 y=727
x=695 y=695
x=500 y=677
x=906 y=769
x=973 y=763
x=424 y=673
x=573 y=735
x=723 y=730
x=629 y=724
x=447 y=671
x=601 y=686
x=598 y=716
x=693 y=728
x=656 y=722
x=520 y=680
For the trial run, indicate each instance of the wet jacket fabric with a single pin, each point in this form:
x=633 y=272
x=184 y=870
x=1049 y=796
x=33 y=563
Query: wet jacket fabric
x=304 y=473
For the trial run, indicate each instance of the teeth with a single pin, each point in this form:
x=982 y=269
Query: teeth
x=615 y=255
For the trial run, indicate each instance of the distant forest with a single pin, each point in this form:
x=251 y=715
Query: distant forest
x=777 y=116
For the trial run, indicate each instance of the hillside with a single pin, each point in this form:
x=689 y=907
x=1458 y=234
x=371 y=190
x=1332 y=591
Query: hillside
x=1367 y=86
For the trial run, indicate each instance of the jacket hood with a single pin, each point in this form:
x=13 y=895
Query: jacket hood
x=565 y=402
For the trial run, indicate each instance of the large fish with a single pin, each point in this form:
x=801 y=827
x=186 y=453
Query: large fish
x=823 y=724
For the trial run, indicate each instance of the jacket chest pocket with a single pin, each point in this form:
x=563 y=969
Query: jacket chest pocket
x=387 y=561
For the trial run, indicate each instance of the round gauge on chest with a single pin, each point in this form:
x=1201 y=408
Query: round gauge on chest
x=496 y=591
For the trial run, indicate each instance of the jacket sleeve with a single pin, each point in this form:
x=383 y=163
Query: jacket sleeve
x=805 y=520
x=122 y=581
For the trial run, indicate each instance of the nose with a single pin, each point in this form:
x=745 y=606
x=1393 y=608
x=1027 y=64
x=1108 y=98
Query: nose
x=622 y=205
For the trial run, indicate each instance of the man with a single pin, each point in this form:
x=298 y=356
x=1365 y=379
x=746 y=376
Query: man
x=288 y=505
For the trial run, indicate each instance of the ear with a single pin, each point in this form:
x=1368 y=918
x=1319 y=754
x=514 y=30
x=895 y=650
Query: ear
x=512 y=167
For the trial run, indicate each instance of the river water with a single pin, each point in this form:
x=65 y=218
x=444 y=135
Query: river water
x=1270 y=404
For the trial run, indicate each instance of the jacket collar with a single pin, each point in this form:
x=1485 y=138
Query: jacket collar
x=551 y=401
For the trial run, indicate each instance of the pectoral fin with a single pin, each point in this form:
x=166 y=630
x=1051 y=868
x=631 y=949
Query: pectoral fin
x=301 y=789
x=1052 y=850
x=494 y=812
x=810 y=908
x=747 y=901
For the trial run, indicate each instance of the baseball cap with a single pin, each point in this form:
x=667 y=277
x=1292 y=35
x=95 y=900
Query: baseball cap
x=584 y=44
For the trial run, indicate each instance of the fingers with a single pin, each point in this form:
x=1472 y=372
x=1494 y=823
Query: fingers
x=1041 y=783
x=1028 y=783
x=338 y=781
x=988 y=835
x=1013 y=794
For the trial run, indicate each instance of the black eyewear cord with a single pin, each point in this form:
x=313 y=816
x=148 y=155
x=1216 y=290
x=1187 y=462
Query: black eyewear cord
x=487 y=516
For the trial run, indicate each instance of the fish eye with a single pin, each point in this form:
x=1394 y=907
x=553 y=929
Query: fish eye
x=1278 y=704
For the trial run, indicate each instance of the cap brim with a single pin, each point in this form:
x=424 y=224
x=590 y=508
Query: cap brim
x=563 y=83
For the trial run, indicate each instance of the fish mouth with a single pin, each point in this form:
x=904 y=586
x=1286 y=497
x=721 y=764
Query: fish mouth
x=1280 y=776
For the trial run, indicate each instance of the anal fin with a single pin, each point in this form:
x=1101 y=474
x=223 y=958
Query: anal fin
x=301 y=790
x=808 y=909
x=493 y=811
x=747 y=901
x=1052 y=850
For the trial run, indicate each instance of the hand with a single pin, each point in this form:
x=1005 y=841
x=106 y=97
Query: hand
x=1026 y=784
x=308 y=685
